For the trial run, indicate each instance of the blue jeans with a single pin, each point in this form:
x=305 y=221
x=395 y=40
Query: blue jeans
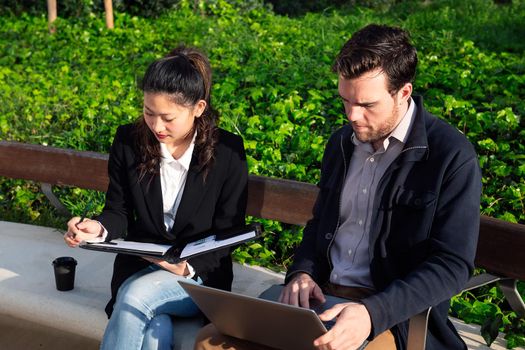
x=141 y=316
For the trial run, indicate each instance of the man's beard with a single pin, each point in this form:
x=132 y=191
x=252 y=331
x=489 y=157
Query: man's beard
x=378 y=135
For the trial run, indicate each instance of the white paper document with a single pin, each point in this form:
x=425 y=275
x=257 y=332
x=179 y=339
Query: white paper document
x=210 y=243
x=154 y=248
x=173 y=253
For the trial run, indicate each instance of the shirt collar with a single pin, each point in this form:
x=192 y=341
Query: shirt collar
x=184 y=160
x=400 y=132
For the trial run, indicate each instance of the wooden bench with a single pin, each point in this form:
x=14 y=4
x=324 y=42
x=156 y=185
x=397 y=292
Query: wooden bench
x=500 y=247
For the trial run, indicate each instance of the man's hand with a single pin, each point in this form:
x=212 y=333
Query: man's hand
x=180 y=269
x=300 y=290
x=352 y=327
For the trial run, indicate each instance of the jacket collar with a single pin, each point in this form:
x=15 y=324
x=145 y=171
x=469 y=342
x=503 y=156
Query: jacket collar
x=416 y=146
x=194 y=192
x=152 y=191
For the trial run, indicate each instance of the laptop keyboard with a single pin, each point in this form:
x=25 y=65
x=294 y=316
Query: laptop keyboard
x=319 y=308
x=329 y=324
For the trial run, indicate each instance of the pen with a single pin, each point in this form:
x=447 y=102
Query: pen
x=86 y=209
x=109 y=243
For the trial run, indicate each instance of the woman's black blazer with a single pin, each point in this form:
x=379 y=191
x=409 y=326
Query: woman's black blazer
x=133 y=208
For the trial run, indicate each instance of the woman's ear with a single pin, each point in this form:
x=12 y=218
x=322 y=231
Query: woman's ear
x=199 y=108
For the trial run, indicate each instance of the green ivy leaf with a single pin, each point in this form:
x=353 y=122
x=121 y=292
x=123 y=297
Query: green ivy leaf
x=490 y=328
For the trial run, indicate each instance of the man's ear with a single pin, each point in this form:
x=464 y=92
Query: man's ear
x=404 y=93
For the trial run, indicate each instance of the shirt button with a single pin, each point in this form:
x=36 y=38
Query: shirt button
x=364 y=190
x=360 y=222
x=350 y=252
x=372 y=159
x=328 y=235
x=334 y=275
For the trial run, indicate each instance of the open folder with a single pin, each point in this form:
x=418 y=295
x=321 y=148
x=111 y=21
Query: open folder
x=176 y=253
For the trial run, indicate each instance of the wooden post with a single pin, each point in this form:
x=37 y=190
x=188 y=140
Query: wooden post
x=198 y=5
x=51 y=15
x=108 y=6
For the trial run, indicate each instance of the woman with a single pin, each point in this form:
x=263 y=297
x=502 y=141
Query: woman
x=173 y=175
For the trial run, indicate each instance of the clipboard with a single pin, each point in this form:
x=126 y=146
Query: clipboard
x=177 y=253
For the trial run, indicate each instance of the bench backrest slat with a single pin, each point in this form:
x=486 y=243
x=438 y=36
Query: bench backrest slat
x=55 y=166
x=286 y=201
x=501 y=245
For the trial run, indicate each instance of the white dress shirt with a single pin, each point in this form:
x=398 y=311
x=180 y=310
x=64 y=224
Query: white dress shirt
x=173 y=174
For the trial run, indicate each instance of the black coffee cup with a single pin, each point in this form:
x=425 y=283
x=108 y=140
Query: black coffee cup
x=65 y=272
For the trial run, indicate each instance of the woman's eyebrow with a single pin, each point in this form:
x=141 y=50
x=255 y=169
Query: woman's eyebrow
x=153 y=112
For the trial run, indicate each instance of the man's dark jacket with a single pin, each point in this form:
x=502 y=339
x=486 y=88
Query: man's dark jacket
x=424 y=229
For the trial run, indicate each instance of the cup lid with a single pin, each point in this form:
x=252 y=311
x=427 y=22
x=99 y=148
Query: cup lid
x=65 y=260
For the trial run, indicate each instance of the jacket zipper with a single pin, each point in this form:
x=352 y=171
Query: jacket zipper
x=413 y=147
x=339 y=209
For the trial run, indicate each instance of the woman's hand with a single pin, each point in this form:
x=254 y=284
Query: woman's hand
x=180 y=269
x=81 y=231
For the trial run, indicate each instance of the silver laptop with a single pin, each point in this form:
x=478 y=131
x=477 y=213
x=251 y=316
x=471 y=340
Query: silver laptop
x=259 y=320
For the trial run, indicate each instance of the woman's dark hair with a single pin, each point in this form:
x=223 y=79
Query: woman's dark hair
x=379 y=46
x=184 y=75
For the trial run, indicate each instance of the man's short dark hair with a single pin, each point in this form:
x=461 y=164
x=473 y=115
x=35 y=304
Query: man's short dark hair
x=379 y=46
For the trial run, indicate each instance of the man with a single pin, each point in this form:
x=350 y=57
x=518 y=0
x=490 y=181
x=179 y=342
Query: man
x=396 y=221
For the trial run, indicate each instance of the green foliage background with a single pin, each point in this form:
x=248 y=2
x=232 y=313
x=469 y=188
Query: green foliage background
x=273 y=86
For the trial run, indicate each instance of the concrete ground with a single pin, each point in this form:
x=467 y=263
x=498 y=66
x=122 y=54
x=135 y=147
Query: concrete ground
x=18 y=334
x=27 y=290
